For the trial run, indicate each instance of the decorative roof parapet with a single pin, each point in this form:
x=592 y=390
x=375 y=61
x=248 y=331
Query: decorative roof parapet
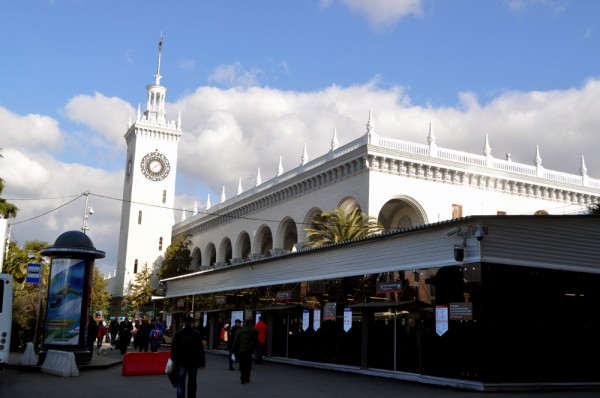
x=443 y=154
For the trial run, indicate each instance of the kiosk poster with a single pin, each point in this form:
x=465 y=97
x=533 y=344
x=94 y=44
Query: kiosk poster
x=316 y=319
x=65 y=299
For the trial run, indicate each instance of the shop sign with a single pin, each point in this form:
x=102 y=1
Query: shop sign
x=389 y=287
x=283 y=295
x=329 y=312
x=221 y=300
x=461 y=311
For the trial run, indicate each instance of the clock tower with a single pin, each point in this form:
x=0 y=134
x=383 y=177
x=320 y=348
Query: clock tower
x=147 y=215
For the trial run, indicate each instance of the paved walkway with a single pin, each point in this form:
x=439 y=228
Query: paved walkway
x=102 y=378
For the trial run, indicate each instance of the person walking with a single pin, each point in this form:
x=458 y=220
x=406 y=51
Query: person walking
x=157 y=329
x=244 y=343
x=187 y=354
x=237 y=325
x=261 y=349
x=101 y=333
x=143 y=335
x=92 y=334
x=113 y=331
x=125 y=330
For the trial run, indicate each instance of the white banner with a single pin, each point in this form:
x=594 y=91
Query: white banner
x=441 y=319
x=347 y=318
x=316 y=319
x=305 y=319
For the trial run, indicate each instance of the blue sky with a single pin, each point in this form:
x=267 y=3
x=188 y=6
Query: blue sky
x=264 y=77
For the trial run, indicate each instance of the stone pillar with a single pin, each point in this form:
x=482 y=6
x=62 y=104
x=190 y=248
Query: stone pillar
x=69 y=295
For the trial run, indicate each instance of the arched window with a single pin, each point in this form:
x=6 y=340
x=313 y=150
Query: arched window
x=139 y=217
x=135 y=266
x=165 y=196
x=160 y=243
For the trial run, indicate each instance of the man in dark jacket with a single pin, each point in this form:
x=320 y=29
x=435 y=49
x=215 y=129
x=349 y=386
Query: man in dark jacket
x=187 y=354
x=230 y=338
x=246 y=339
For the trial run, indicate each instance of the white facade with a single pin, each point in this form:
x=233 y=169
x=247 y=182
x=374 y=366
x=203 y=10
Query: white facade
x=402 y=184
x=149 y=187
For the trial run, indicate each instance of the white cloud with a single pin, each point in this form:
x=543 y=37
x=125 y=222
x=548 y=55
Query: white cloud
x=107 y=116
x=382 y=13
x=234 y=75
x=230 y=133
x=30 y=131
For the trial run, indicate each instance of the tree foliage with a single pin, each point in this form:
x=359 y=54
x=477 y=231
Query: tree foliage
x=337 y=226
x=7 y=210
x=595 y=209
x=140 y=290
x=100 y=296
x=177 y=260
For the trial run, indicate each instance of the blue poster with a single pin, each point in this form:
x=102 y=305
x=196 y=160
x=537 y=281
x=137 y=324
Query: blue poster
x=65 y=299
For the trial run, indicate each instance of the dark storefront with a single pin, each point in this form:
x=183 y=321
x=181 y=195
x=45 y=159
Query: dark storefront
x=505 y=324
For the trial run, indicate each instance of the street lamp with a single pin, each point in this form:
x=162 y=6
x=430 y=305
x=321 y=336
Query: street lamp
x=88 y=211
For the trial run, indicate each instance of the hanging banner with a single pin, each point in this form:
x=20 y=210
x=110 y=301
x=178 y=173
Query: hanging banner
x=347 y=318
x=258 y=313
x=204 y=319
x=441 y=319
x=305 y=319
x=316 y=319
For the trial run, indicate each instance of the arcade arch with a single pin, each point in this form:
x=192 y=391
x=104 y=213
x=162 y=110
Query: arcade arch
x=243 y=247
x=286 y=236
x=401 y=212
x=263 y=241
x=225 y=252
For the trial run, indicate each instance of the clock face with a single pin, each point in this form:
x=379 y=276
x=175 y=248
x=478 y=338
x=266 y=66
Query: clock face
x=155 y=166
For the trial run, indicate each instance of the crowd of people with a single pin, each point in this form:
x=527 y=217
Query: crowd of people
x=187 y=347
x=144 y=333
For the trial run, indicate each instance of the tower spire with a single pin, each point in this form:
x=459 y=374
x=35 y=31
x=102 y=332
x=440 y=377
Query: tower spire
x=157 y=77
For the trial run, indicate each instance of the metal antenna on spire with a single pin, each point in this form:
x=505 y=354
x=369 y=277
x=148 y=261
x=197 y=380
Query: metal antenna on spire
x=160 y=45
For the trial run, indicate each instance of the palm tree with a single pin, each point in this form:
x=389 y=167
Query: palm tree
x=337 y=226
x=7 y=210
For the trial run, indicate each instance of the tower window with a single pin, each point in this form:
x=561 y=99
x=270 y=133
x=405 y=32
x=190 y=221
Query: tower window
x=139 y=217
x=135 y=266
x=160 y=243
x=164 y=199
x=456 y=211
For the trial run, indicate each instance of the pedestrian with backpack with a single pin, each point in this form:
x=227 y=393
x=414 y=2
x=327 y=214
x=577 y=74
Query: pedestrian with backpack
x=156 y=335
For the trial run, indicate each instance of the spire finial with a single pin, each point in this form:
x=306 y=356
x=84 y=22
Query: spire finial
x=334 y=141
x=208 y=205
x=370 y=123
x=487 y=149
x=223 y=197
x=583 y=169
x=304 y=155
x=239 y=191
x=280 y=167
x=258 y=179
x=157 y=77
x=195 y=208
x=538 y=159
x=431 y=136
x=183 y=215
